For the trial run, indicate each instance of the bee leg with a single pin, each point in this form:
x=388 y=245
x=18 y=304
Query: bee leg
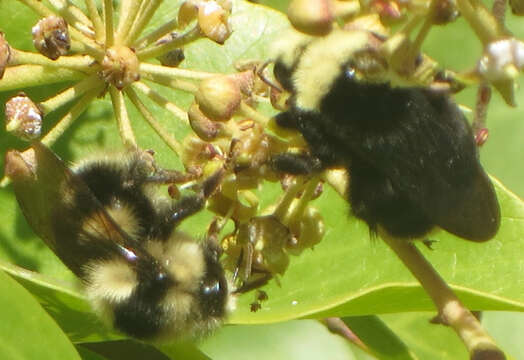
x=164 y=176
x=296 y=164
x=254 y=283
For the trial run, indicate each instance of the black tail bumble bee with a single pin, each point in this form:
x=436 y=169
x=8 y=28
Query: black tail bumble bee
x=101 y=219
x=410 y=152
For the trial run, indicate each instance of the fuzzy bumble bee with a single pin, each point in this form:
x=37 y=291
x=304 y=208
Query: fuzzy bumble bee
x=410 y=153
x=104 y=222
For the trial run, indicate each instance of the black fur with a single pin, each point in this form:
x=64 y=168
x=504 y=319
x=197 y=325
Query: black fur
x=411 y=156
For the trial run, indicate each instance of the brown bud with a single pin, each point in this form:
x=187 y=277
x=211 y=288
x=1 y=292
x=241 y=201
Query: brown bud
x=23 y=117
x=205 y=128
x=172 y=58
x=5 y=54
x=51 y=37
x=314 y=17
x=213 y=21
x=445 y=12
x=120 y=66
x=218 y=97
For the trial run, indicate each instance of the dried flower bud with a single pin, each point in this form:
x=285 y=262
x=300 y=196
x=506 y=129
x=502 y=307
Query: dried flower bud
x=188 y=12
x=196 y=152
x=218 y=97
x=23 y=117
x=172 y=58
x=5 y=54
x=314 y=17
x=213 y=21
x=120 y=66
x=500 y=65
x=20 y=167
x=205 y=128
x=51 y=37
x=498 y=55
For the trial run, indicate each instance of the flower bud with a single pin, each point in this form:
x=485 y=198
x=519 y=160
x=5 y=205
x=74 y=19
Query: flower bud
x=5 y=54
x=23 y=117
x=314 y=17
x=120 y=66
x=205 y=128
x=213 y=21
x=308 y=230
x=218 y=97
x=445 y=12
x=51 y=37
x=188 y=12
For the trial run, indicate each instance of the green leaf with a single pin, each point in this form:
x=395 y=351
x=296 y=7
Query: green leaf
x=26 y=330
x=381 y=341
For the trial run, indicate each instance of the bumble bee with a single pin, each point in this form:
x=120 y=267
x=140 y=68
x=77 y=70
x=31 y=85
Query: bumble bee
x=101 y=219
x=409 y=151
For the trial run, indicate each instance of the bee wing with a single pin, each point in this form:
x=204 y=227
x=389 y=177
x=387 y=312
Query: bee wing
x=429 y=154
x=63 y=211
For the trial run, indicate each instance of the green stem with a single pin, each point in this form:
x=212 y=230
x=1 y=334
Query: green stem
x=38 y=7
x=157 y=34
x=481 y=20
x=122 y=118
x=128 y=11
x=98 y=25
x=171 y=83
x=143 y=17
x=162 y=101
x=157 y=50
x=24 y=76
x=70 y=94
x=248 y=111
x=78 y=62
x=451 y=310
x=159 y=129
x=283 y=205
x=168 y=72
x=66 y=121
x=108 y=21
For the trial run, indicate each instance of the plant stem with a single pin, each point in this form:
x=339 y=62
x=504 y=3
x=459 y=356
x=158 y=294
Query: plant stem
x=98 y=25
x=483 y=23
x=158 y=70
x=157 y=34
x=171 y=83
x=127 y=14
x=160 y=130
x=78 y=62
x=144 y=15
x=251 y=113
x=122 y=118
x=69 y=94
x=450 y=309
x=162 y=101
x=66 y=121
x=108 y=21
x=38 y=7
x=157 y=50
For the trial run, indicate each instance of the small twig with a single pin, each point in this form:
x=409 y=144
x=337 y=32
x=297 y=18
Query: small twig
x=176 y=42
x=173 y=72
x=156 y=34
x=98 y=25
x=451 y=310
x=108 y=22
x=69 y=94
